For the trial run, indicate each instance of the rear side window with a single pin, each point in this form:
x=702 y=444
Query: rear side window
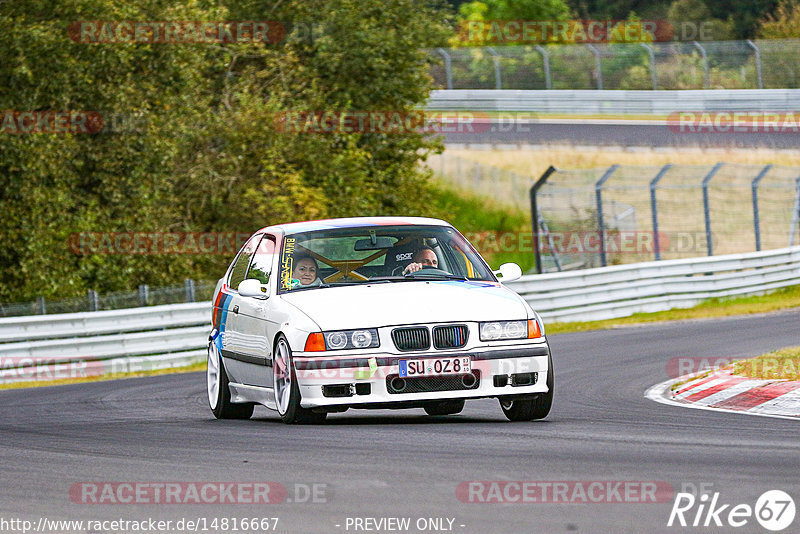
x=243 y=261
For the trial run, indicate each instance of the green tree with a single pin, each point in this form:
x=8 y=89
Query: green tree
x=783 y=24
x=207 y=155
x=515 y=10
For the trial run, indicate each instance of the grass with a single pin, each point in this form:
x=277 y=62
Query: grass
x=471 y=214
x=533 y=162
x=718 y=307
x=199 y=366
x=782 y=363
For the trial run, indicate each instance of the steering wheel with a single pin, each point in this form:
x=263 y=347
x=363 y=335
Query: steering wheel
x=430 y=270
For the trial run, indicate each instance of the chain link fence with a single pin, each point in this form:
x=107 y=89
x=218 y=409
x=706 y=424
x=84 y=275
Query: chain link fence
x=628 y=214
x=190 y=291
x=759 y=64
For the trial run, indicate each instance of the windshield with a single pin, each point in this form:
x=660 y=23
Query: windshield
x=346 y=256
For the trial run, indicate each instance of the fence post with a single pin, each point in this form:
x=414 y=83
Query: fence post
x=654 y=208
x=653 y=73
x=598 y=66
x=447 y=67
x=93 y=301
x=189 y=285
x=756 y=221
x=144 y=294
x=706 y=74
x=598 y=191
x=42 y=305
x=548 y=82
x=535 y=215
x=796 y=214
x=498 y=84
x=758 y=62
x=706 y=209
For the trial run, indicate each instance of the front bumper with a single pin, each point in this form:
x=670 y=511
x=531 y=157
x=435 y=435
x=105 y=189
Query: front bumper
x=351 y=373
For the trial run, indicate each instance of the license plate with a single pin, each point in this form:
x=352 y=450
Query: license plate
x=456 y=365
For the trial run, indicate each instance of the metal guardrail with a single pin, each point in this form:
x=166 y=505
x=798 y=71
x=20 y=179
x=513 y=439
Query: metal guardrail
x=615 y=102
x=622 y=290
x=189 y=291
x=103 y=342
x=31 y=328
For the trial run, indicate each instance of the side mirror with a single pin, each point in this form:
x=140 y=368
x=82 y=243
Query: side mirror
x=253 y=288
x=508 y=272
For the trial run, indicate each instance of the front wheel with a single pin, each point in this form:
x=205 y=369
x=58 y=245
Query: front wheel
x=219 y=394
x=287 y=392
x=531 y=409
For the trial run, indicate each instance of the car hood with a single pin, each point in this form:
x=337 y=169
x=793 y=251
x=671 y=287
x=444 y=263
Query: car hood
x=375 y=305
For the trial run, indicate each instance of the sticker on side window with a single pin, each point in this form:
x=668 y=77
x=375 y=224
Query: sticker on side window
x=286 y=263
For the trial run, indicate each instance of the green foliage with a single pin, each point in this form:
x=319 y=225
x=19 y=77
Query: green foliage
x=785 y=23
x=515 y=10
x=207 y=156
x=500 y=234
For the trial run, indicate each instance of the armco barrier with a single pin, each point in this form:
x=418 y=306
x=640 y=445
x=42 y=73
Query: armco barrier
x=176 y=335
x=34 y=327
x=97 y=343
x=621 y=290
x=615 y=102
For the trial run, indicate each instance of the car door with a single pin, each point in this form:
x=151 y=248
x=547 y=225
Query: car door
x=255 y=325
x=234 y=337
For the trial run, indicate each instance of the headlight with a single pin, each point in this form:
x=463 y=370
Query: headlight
x=495 y=330
x=351 y=339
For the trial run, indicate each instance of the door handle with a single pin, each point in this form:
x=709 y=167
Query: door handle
x=236 y=309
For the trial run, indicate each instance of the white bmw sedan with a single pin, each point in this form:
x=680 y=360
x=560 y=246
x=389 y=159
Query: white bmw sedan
x=322 y=316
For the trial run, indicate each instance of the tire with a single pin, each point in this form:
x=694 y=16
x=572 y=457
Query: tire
x=287 y=392
x=534 y=408
x=445 y=407
x=219 y=394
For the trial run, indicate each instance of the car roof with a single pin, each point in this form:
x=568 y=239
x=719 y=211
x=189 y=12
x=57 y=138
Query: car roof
x=352 y=222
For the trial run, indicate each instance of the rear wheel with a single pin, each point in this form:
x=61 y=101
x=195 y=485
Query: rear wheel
x=445 y=407
x=219 y=394
x=287 y=392
x=533 y=408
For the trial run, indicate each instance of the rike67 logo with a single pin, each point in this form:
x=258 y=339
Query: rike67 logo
x=774 y=510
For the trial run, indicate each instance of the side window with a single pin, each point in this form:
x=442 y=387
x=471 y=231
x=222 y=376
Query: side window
x=261 y=267
x=240 y=267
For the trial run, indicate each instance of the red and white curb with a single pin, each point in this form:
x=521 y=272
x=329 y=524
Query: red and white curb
x=722 y=391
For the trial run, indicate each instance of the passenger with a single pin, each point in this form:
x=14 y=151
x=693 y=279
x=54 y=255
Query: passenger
x=305 y=271
x=423 y=257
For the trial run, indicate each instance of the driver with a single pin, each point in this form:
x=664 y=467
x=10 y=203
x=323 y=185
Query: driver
x=423 y=257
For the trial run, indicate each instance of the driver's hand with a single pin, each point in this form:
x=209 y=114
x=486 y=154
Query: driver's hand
x=411 y=268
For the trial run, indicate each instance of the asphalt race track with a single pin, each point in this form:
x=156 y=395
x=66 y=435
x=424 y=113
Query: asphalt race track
x=406 y=464
x=612 y=133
